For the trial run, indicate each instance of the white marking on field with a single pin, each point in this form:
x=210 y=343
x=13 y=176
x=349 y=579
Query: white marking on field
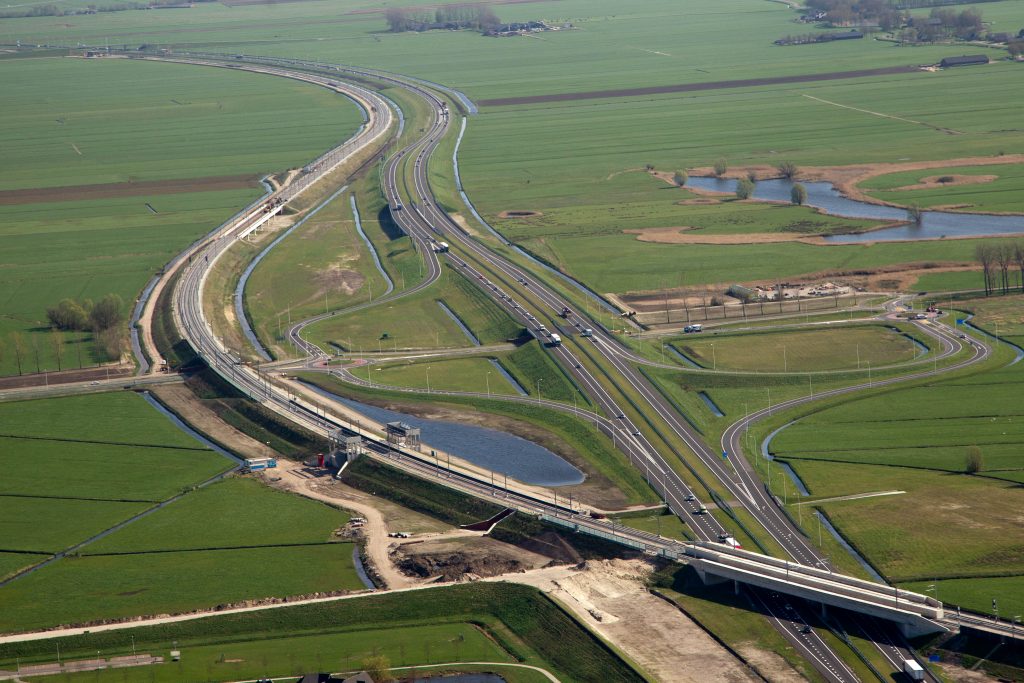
x=653 y=52
x=884 y=116
x=75 y=147
x=856 y=496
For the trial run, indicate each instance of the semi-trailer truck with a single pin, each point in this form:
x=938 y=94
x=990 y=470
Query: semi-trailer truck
x=913 y=670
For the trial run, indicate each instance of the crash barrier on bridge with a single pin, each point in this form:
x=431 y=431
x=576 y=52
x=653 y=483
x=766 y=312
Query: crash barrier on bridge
x=923 y=604
x=609 y=534
x=916 y=614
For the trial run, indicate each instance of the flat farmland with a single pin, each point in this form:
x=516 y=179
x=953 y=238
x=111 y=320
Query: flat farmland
x=616 y=46
x=187 y=555
x=112 y=586
x=813 y=350
x=342 y=651
x=928 y=427
x=235 y=512
x=960 y=524
x=113 y=166
x=47 y=525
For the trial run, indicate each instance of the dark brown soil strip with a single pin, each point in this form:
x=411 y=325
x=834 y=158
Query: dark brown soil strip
x=693 y=87
x=74 y=193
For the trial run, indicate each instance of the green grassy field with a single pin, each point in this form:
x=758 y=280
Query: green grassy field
x=454 y=374
x=418 y=322
x=81 y=122
x=324 y=265
x=517 y=622
x=111 y=586
x=51 y=525
x=232 y=513
x=1000 y=194
x=810 y=350
x=281 y=655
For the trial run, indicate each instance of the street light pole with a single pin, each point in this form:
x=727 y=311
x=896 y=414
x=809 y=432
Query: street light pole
x=488 y=379
x=428 y=379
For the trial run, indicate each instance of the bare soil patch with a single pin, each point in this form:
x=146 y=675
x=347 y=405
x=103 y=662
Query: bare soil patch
x=192 y=410
x=335 y=278
x=72 y=193
x=66 y=376
x=932 y=182
x=694 y=87
x=463 y=558
x=519 y=214
x=679 y=235
x=611 y=597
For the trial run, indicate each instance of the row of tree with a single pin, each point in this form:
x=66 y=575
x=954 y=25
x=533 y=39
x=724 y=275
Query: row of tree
x=479 y=17
x=87 y=316
x=997 y=261
x=25 y=350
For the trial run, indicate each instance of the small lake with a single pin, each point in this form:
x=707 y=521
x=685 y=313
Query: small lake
x=488 y=448
x=824 y=196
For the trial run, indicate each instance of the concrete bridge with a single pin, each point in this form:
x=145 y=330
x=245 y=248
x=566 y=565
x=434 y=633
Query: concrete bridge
x=914 y=613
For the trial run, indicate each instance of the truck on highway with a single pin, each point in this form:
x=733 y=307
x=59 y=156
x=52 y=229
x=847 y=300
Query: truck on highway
x=442 y=247
x=693 y=328
x=556 y=340
x=913 y=670
x=587 y=332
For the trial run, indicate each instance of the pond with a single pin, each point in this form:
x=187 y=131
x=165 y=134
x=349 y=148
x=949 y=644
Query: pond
x=489 y=448
x=825 y=196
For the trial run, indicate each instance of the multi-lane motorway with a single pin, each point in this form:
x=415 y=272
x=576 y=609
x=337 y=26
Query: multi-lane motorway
x=633 y=408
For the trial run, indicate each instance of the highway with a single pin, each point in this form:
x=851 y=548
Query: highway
x=530 y=302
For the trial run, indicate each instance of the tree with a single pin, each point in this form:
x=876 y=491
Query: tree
x=787 y=169
x=720 y=168
x=106 y=313
x=398 y=19
x=680 y=178
x=58 y=345
x=986 y=256
x=914 y=214
x=68 y=315
x=974 y=461
x=744 y=189
x=798 y=195
x=18 y=344
x=1004 y=257
x=1018 y=256
x=379 y=668
x=752 y=175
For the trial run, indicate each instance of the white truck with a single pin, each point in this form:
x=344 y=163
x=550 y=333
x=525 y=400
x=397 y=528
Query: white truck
x=556 y=340
x=913 y=670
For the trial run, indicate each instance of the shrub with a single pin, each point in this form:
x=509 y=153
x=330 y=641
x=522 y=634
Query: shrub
x=680 y=178
x=798 y=195
x=720 y=168
x=744 y=189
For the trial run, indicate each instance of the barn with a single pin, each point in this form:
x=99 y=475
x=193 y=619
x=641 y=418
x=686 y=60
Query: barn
x=965 y=60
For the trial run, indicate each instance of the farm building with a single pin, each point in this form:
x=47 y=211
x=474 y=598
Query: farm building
x=965 y=60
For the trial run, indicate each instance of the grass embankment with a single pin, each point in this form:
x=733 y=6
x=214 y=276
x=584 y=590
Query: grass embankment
x=564 y=434
x=456 y=508
x=191 y=555
x=516 y=623
x=92 y=124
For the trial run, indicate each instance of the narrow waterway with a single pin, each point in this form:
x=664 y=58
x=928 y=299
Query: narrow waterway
x=824 y=196
x=488 y=448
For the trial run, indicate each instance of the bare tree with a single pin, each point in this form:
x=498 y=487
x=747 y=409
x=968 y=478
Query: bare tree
x=1018 y=256
x=58 y=345
x=398 y=19
x=18 y=344
x=984 y=253
x=787 y=169
x=1004 y=257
